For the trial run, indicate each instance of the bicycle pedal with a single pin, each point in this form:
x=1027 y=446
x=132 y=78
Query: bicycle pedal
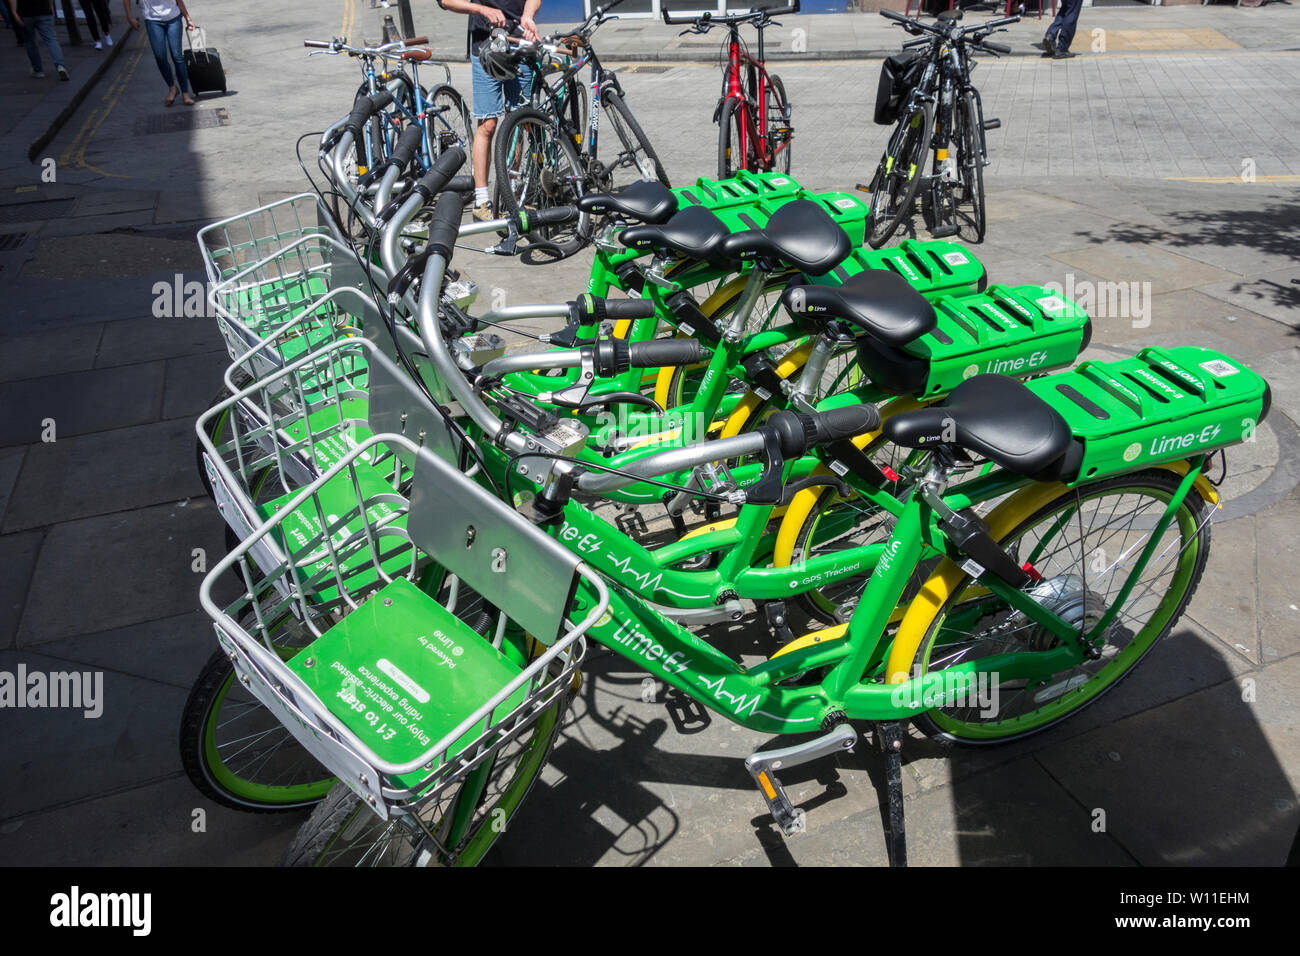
x=992 y=124
x=861 y=188
x=943 y=232
x=763 y=766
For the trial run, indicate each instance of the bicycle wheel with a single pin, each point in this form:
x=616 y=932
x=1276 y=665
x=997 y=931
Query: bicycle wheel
x=236 y=752
x=893 y=188
x=538 y=168
x=780 y=134
x=638 y=157
x=343 y=831
x=731 y=136
x=683 y=381
x=968 y=195
x=449 y=122
x=1084 y=542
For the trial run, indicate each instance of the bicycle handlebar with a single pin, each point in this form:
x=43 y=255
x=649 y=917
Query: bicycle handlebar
x=762 y=13
x=995 y=47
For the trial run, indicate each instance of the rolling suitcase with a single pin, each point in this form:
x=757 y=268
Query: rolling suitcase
x=203 y=64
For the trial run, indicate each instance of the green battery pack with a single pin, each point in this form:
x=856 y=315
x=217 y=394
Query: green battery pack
x=933 y=267
x=1007 y=330
x=1158 y=406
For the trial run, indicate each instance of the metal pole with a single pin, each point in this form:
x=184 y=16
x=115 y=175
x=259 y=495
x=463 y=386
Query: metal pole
x=408 y=21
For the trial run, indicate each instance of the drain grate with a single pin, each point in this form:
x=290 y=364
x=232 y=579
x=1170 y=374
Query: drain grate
x=648 y=69
x=181 y=122
x=35 y=211
x=12 y=241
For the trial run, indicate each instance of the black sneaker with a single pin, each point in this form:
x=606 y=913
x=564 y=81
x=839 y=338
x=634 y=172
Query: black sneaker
x=63 y=74
x=1061 y=54
x=1048 y=45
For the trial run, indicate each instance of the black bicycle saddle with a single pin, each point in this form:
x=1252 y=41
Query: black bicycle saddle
x=999 y=418
x=694 y=233
x=645 y=201
x=800 y=234
x=882 y=304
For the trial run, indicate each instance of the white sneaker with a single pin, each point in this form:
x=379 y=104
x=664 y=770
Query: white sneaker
x=37 y=74
x=98 y=45
x=108 y=39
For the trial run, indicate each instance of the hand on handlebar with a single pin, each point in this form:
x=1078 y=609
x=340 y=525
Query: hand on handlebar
x=530 y=29
x=493 y=16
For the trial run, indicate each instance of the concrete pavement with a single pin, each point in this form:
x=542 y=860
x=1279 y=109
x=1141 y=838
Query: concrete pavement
x=1194 y=759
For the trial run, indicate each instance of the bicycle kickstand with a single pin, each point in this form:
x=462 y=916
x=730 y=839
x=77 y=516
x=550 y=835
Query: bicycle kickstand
x=889 y=735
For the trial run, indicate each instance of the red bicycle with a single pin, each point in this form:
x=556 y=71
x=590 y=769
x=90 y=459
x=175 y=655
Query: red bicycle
x=753 y=114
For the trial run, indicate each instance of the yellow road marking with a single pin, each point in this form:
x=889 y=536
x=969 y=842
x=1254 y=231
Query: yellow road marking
x=74 y=157
x=349 y=17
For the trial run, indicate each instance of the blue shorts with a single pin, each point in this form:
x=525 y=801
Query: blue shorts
x=493 y=98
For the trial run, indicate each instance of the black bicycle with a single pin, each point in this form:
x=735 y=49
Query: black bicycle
x=546 y=154
x=936 y=109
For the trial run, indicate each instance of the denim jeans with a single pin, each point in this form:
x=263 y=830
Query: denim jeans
x=1067 y=19
x=44 y=27
x=165 y=39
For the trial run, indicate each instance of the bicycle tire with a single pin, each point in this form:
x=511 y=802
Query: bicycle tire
x=231 y=785
x=730 y=132
x=344 y=831
x=780 y=151
x=970 y=161
x=550 y=174
x=1066 y=696
x=451 y=122
x=633 y=139
x=906 y=151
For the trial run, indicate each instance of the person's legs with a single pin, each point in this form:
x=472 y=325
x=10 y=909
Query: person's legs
x=157 y=32
x=88 y=11
x=489 y=106
x=1069 y=17
x=45 y=27
x=99 y=9
x=29 y=41
x=174 y=29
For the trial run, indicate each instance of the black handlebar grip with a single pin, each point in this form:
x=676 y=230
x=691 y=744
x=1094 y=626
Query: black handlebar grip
x=444 y=228
x=893 y=15
x=407 y=145
x=364 y=108
x=629 y=309
x=996 y=47
x=666 y=352
x=844 y=422
x=556 y=216
x=443 y=169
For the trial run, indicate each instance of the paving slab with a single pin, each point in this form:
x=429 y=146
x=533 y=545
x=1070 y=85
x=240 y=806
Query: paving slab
x=74 y=400
x=128 y=341
x=170 y=650
x=192 y=384
x=131 y=742
x=1275 y=294
x=1210 y=779
x=70 y=349
x=1141 y=262
x=11 y=463
x=18 y=558
x=96 y=256
x=111 y=571
x=149 y=825
x=104 y=472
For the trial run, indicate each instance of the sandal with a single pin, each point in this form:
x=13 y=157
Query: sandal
x=188 y=100
x=171 y=96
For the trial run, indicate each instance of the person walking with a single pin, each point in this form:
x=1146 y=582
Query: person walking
x=162 y=20
x=1060 y=34
x=36 y=19
x=493 y=97
x=97 y=10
